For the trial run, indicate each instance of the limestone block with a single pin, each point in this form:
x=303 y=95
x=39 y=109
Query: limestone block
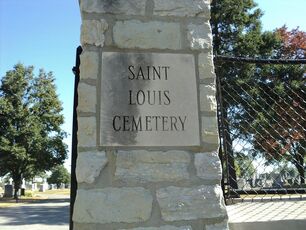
x=89 y=65
x=92 y=32
x=210 y=130
x=208 y=98
x=166 y=227
x=89 y=166
x=146 y=35
x=87 y=131
x=152 y=166
x=206 y=67
x=102 y=206
x=182 y=8
x=207 y=75
x=130 y=7
x=208 y=166
x=219 y=226
x=193 y=203
x=87 y=98
x=199 y=36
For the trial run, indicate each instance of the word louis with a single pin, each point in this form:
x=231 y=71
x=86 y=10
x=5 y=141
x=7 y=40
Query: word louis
x=151 y=97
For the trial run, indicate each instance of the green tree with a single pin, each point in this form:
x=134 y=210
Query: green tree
x=252 y=89
x=236 y=29
x=60 y=175
x=281 y=135
x=243 y=166
x=31 y=139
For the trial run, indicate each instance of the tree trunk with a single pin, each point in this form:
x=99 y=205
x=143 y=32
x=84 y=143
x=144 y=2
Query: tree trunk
x=298 y=160
x=229 y=154
x=228 y=145
x=230 y=159
x=300 y=168
x=227 y=141
x=17 y=184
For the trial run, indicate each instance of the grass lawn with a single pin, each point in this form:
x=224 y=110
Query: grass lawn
x=31 y=197
x=55 y=191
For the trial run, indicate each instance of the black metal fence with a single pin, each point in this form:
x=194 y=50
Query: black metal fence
x=262 y=127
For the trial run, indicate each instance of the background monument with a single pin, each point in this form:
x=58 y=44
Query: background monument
x=147 y=126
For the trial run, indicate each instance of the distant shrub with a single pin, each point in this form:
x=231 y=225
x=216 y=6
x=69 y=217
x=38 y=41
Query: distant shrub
x=29 y=194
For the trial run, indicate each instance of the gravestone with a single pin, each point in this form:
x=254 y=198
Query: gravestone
x=44 y=186
x=147 y=126
x=8 y=190
x=23 y=185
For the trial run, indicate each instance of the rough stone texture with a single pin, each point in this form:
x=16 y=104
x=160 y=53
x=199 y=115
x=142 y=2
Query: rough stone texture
x=206 y=68
x=182 y=8
x=219 y=226
x=208 y=166
x=152 y=166
x=87 y=98
x=210 y=130
x=166 y=227
x=199 y=36
x=193 y=203
x=208 y=98
x=125 y=7
x=109 y=205
x=145 y=26
x=89 y=65
x=87 y=131
x=146 y=35
x=92 y=32
x=89 y=165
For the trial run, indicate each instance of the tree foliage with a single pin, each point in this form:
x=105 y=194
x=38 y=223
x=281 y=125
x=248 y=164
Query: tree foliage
x=31 y=139
x=293 y=43
x=257 y=95
x=60 y=175
x=236 y=29
x=281 y=129
x=244 y=166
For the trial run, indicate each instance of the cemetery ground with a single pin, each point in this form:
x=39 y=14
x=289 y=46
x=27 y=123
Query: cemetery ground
x=42 y=211
x=50 y=211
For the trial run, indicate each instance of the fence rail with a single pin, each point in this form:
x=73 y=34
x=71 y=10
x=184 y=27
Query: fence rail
x=262 y=128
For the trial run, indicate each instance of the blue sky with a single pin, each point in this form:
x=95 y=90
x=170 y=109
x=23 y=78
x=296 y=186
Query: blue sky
x=280 y=12
x=46 y=33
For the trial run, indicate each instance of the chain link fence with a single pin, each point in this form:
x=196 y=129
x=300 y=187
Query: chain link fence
x=262 y=124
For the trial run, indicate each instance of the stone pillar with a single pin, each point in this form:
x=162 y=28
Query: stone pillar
x=147 y=165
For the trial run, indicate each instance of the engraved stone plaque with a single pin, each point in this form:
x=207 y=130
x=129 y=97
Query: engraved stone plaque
x=148 y=99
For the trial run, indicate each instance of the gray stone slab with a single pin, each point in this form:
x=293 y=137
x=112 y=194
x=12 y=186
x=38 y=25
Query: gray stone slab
x=130 y=7
x=149 y=99
x=166 y=227
x=8 y=190
x=208 y=166
x=199 y=36
x=89 y=166
x=218 y=226
x=128 y=205
x=180 y=203
x=181 y=8
x=92 y=32
x=146 y=35
x=152 y=166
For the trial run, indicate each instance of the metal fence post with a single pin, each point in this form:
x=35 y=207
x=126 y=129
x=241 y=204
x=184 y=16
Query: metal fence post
x=74 y=153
